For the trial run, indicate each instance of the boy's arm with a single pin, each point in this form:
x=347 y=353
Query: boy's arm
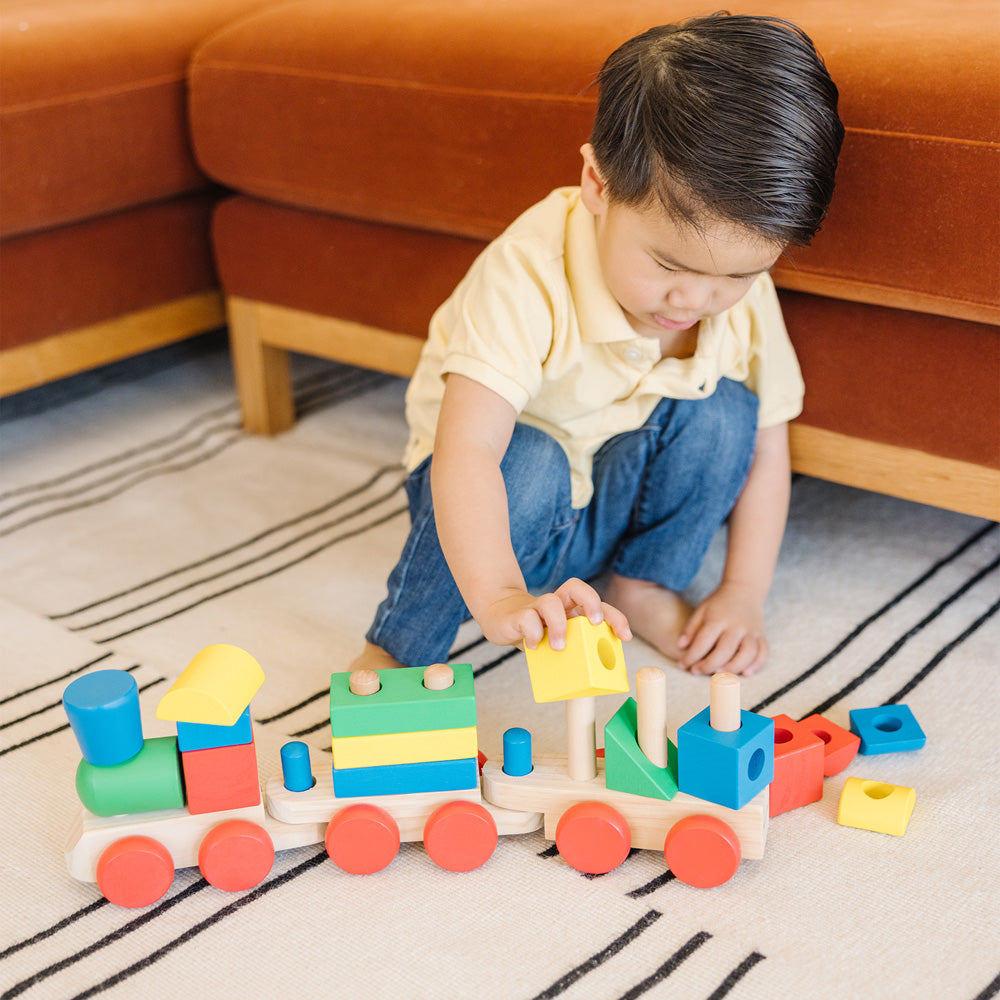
x=470 y=509
x=726 y=631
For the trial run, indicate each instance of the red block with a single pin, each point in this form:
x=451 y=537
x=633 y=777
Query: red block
x=840 y=745
x=798 y=766
x=221 y=778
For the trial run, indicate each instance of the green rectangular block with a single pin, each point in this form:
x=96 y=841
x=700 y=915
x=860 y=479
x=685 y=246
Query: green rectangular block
x=403 y=704
x=627 y=768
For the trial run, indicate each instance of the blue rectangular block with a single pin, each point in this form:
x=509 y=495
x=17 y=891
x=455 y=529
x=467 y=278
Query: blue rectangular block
x=397 y=779
x=199 y=736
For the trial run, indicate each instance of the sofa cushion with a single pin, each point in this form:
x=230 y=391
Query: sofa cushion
x=92 y=104
x=99 y=269
x=455 y=115
x=943 y=370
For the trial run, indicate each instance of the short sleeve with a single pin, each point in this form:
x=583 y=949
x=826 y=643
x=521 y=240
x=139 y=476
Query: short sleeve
x=772 y=369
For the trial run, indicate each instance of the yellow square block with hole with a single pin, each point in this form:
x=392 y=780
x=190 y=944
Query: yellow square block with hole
x=404 y=748
x=592 y=663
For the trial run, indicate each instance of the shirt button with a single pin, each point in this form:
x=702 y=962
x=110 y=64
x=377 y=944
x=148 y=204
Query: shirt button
x=633 y=355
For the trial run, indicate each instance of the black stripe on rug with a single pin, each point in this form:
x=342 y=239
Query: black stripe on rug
x=599 y=958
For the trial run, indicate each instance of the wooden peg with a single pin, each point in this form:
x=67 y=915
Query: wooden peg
x=364 y=682
x=651 y=708
x=724 y=703
x=581 y=738
x=438 y=677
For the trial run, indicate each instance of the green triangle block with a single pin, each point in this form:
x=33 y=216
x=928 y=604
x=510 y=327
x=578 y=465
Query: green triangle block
x=626 y=767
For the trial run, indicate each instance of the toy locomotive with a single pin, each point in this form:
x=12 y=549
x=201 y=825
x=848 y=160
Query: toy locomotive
x=406 y=766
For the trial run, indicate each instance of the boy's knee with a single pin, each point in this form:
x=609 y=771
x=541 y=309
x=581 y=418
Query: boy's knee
x=722 y=428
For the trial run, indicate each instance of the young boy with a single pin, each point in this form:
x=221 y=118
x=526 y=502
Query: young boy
x=612 y=379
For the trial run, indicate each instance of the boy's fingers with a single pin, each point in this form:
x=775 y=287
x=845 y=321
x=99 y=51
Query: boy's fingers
x=575 y=594
x=618 y=622
x=552 y=613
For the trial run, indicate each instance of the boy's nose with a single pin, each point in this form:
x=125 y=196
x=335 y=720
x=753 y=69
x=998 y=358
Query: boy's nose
x=692 y=296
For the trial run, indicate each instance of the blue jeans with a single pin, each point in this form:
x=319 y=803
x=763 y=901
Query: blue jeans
x=660 y=494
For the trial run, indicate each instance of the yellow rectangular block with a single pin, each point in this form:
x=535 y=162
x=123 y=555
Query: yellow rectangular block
x=404 y=748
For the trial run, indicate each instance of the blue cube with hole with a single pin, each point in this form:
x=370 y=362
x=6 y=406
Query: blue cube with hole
x=726 y=768
x=886 y=729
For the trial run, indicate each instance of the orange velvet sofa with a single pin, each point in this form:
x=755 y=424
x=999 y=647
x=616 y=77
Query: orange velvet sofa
x=104 y=214
x=370 y=148
x=375 y=145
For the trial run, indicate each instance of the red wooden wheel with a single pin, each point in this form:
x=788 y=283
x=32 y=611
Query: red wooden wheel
x=362 y=839
x=460 y=836
x=593 y=837
x=702 y=851
x=236 y=855
x=134 y=871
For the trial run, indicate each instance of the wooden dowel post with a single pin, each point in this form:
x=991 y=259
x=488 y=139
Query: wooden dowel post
x=651 y=709
x=724 y=703
x=581 y=738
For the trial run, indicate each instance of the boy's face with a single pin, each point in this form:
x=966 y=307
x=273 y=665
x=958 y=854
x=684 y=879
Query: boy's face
x=668 y=277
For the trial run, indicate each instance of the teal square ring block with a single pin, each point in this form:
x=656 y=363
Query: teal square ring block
x=886 y=729
x=726 y=768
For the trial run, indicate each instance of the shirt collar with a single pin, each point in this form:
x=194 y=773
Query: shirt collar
x=600 y=318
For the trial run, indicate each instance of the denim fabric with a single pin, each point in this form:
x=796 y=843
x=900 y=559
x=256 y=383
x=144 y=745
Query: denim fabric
x=660 y=494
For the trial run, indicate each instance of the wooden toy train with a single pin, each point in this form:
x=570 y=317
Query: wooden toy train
x=406 y=766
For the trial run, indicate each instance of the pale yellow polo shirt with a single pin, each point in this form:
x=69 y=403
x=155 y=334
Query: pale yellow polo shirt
x=534 y=321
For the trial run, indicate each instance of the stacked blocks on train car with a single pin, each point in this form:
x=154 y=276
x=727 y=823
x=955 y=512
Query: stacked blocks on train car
x=840 y=746
x=404 y=737
x=593 y=663
x=728 y=768
x=120 y=772
x=210 y=702
x=798 y=766
x=887 y=729
x=626 y=767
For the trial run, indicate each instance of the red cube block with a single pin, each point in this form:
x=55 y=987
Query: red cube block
x=798 y=766
x=221 y=778
x=840 y=745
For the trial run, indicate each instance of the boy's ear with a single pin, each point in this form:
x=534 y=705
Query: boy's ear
x=593 y=191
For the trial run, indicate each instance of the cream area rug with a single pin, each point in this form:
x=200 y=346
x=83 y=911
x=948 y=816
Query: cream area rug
x=138 y=524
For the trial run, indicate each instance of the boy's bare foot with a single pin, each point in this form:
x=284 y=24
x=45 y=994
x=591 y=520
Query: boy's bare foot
x=373 y=658
x=655 y=614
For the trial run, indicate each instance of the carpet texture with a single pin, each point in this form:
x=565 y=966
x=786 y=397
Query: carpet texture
x=138 y=524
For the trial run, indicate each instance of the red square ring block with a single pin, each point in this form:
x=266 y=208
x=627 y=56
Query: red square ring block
x=221 y=778
x=841 y=745
x=798 y=766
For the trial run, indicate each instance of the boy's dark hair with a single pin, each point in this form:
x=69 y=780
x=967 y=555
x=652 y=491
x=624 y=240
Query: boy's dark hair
x=725 y=116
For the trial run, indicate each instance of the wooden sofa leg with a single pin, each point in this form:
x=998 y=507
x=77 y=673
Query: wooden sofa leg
x=263 y=382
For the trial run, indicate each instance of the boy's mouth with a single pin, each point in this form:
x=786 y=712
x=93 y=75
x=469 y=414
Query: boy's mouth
x=673 y=324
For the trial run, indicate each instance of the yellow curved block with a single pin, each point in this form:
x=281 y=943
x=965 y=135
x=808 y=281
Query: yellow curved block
x=592 y=663
x=405 y=748
x=214 y=689
x=876 y=805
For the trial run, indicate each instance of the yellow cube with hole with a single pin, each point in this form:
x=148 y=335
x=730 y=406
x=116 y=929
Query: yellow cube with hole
x=592 y=663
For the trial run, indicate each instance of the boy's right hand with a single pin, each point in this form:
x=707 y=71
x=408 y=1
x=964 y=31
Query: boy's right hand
x=517 y=617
